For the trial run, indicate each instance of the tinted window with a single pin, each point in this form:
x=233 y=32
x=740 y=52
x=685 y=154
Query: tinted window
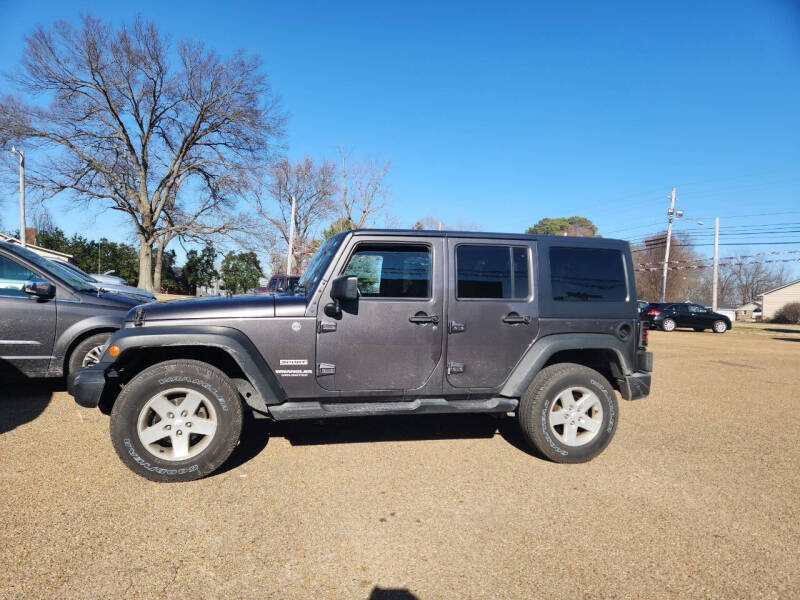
x=391 y=270
x=492 y=272
x=693 y=308
x=13 y=277
x=587 y=275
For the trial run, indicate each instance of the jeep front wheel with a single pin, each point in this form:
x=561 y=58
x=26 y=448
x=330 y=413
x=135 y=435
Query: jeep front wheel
x=176 y=421
x=569 y=413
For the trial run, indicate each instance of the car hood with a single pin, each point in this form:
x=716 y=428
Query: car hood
x=110 y=300
x=209 y=307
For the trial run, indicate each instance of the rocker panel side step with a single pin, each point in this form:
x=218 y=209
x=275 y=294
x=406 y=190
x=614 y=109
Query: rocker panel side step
x=312 y=409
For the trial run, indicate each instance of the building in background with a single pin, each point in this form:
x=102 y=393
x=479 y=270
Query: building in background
x=775 y=299
x=46 y=252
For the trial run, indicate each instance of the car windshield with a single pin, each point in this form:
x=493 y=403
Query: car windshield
x=319 y=262
x=71 y=278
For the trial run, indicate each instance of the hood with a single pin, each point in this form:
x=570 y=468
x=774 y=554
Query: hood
x=209 y=307
x=127 y=290
x=110 y=300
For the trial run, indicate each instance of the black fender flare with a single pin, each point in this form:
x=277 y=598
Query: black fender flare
x=232 y=341
x=542 y=349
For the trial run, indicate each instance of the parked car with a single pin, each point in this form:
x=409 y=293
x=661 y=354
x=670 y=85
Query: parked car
x=387 y=322
x=671 y=315
x=108 y=277
x=51 y=320
x=139 y=294
x=280 y=284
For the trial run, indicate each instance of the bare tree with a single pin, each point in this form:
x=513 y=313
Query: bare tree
x=750 y=279
x=131 y=128
x=313 y=186
x=364 y=189
x=681 y=285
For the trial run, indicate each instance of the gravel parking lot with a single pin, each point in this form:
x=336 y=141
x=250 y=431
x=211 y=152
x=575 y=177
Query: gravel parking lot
x=697 y=496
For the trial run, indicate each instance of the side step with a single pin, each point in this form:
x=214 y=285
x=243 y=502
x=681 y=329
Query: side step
x=313 y=409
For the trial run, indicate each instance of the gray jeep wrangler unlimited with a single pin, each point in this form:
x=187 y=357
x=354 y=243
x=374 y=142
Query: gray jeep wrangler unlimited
x=384 y=323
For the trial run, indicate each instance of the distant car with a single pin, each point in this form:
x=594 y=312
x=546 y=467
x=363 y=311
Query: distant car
x=107 y=277
x=671 y=315
x=51 y=320
x=280 y=284
x=110 y=286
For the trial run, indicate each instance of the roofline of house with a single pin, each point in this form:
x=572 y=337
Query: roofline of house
x=780 y=287
x=13 y=240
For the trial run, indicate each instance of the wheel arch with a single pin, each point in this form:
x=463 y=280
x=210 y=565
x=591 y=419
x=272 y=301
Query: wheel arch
x=599 y=351
x=70 y=348
x=228 y=350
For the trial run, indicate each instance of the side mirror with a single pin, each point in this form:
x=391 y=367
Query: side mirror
x=343 y=289
x=39 y=288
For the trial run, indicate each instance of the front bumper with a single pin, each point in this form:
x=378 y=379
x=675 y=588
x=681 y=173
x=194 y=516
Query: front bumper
x=86 y=385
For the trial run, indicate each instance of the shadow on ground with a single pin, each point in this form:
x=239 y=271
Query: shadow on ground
x=787 y=339
x=781 y=330
x=391 y=594
x=353 y=430
x=23 y=401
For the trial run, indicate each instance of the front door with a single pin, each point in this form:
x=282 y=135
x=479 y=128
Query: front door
x=27 y=323
x=390 y=339
x=491 y=311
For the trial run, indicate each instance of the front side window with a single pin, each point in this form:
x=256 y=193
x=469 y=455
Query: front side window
x=587 y=275
x=13 y=277
x=391 y=270
x=492 y=272
x=272 y=283
x=698 y=310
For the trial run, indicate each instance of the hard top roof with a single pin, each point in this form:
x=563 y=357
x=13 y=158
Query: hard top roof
x=485 y=235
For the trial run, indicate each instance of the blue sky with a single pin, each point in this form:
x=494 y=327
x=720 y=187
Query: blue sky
x=498 y=114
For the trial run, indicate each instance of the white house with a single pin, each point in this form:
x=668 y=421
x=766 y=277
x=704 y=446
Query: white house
x=46 y=252
x=775 y=299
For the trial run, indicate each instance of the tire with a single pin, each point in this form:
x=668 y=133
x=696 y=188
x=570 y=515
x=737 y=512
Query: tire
x=182 y=453
x=544 y=400
x=87 y=352
x=668 y=325
x=719 y=326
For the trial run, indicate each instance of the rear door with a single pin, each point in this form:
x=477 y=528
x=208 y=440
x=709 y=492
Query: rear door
x=27 y=323
x=491 y=310
x=389 y=341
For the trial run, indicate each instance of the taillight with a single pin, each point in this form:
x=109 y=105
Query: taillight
x=653 y=312
x=643 y=335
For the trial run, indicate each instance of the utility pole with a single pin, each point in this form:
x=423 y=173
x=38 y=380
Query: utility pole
x=99 y=242
x=670 y=215
x=714 y=285
x=22 y=230
x=291 y=241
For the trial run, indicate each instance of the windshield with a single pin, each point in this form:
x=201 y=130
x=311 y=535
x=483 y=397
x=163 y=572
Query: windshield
x=79 y=282
x=319 y=262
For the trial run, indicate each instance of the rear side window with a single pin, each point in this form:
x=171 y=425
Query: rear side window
x=391 y=270
x=587 y=275
x=492 y=272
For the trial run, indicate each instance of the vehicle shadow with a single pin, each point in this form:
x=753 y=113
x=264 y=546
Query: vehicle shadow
x=23 y=401
x=781 y=330
x=391 y=594
x=353 y=430
x=787 y=339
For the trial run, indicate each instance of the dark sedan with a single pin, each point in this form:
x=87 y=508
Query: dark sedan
x=671 y=315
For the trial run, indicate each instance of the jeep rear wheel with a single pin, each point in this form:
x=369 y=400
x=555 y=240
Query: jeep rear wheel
x=176 y=421
x=569 y=413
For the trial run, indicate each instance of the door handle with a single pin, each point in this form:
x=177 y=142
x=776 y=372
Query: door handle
x=421 y=318
x=515 y=318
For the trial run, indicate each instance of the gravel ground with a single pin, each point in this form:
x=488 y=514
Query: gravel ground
x=697 y=496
